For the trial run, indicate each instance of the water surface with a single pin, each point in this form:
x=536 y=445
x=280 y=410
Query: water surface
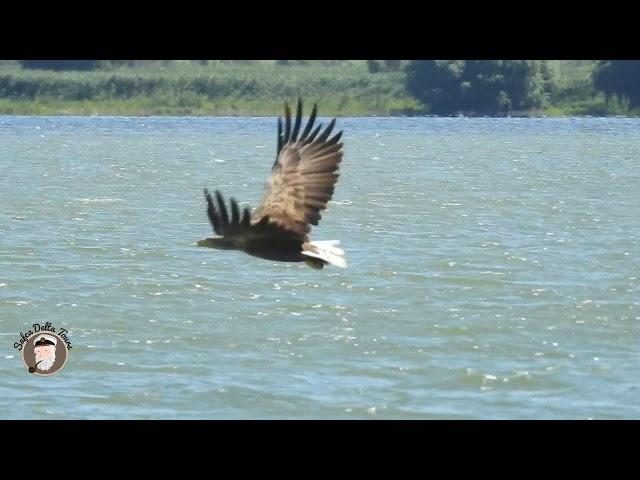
x=493 y=272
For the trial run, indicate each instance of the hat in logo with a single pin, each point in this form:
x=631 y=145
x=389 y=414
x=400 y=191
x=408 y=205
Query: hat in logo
x=44 y=340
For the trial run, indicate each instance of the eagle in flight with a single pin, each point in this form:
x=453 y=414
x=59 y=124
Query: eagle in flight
x=301 y=184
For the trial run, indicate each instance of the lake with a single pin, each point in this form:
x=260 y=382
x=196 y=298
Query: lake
x=493 y=272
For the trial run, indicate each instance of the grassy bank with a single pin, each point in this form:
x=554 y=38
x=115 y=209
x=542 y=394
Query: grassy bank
x=223 y=89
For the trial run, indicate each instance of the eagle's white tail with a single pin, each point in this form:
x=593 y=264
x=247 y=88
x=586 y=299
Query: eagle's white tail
x=326 y=250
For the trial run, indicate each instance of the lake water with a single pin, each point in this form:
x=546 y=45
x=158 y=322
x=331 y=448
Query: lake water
x=494 y=272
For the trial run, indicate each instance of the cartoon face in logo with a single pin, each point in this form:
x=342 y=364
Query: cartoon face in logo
x=45 y=354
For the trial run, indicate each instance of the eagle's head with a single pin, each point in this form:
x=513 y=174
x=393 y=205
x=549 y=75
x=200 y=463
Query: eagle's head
x=219 y=243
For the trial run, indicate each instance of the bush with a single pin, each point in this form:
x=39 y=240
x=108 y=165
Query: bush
x=59 y=64
x=375 y=66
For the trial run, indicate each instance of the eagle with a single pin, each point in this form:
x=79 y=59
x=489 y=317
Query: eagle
x=301 y=183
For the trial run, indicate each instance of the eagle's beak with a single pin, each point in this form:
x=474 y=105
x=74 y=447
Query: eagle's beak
x=219 y=243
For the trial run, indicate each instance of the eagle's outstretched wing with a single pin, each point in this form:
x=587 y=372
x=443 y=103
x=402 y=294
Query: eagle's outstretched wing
x=303 y=176
x=219 y=217
x=300 y=186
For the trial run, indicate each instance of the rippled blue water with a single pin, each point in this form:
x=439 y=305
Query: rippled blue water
x=493 y=272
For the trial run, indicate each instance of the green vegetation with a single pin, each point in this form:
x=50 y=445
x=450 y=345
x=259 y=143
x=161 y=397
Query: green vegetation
x=354 y=88
x=619 y=79
x=60 y=64
x=478 y=86
x=525 y=87
x=573 y=91
x=221 y=88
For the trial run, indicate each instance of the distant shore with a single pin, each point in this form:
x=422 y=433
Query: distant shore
x=239 y=90
x=222 y=90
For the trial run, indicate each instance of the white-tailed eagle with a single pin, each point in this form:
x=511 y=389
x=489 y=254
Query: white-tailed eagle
x=301 y=184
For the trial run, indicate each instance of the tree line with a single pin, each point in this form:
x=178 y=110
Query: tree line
x=447 y=87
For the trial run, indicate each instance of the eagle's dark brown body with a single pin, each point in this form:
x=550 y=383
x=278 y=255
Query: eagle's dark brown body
x=301 y=184
x=284 y=249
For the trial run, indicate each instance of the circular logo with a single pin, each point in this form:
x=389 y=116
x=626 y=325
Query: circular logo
x=44 y=354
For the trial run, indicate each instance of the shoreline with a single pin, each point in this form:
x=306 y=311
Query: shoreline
x=205 y=114
x=269 y=107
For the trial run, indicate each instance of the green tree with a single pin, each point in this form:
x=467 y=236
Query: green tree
x=374 y=66
x=438 y=84
x=619 y=78
x=480 y=86
x=392 y=65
